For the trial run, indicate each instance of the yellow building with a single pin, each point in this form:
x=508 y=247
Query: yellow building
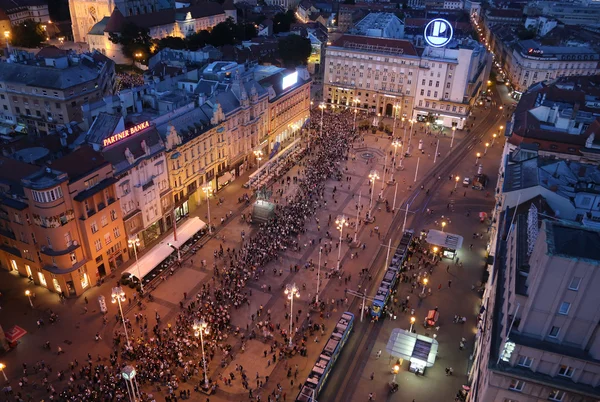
x=61 y=225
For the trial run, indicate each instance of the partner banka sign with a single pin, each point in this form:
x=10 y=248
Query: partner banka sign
x=126 y=133
x=438 y=32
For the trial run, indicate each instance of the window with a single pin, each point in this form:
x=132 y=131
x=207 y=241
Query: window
x=73 y=259
x=48 y=195
x=564 y=308
x=574 y=285
x=68 y=240
x=524 y=361
x=94 y=227
x=556 y=395
x=18 y=218
x=113 y=215
x=566 y=371
x=116 y=232
x=516 y=385
x=554 y=331
x=103 y=221
x=107 y=239
x=98 y=244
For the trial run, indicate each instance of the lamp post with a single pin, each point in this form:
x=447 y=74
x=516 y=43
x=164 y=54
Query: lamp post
x=501 y=128
x=443 y=226
x=452 y=140
x=258 y=154
x=322 y=107
x=456 y=179
x=355 y=101
x=396 y=107
x=396 y=370
x=435 y=251
x=176 y=249
x=403 y=119
x=28 y=294
x=357 y=218
x=291 y=291
x=493 y=138
x=478 y=154
x=318 y=276
x=487 y=144
x=7 y=37
x=341 y=221
x=412 y=122
x=427 y=128
x=118 y=295
x=128 y=375
x=134 y=244
x=208 y=190
x=395 y=144
x=425 y=281
x=383 y=178
x=2 y=367
x=373 y=176
x=200 y=327
x=412 y=322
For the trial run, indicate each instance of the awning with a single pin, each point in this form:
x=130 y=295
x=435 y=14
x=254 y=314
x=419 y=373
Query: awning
x=443 y=239
x=227 y=177
x=14 y=334
x=412 y=347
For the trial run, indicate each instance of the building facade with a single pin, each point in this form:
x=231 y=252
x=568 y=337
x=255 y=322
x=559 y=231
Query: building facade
x=62 y=226
x=49 y=93
x=19 y=11
x=379 y=25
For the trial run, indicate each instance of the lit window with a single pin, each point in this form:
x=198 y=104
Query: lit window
x=107 y=239
x=516 y=385
x=98 y=244
x=556 y=395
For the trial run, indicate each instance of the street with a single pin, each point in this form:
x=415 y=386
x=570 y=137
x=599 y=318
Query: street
x=428 y=187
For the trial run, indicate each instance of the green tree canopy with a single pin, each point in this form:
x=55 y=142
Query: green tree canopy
x=172 y=42
x=27 y=34
x=294 y=50
x=283 y=21
x=133 y=40
x=198 y=40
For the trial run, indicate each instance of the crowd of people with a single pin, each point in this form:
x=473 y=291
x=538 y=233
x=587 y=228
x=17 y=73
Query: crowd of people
x=165 y=356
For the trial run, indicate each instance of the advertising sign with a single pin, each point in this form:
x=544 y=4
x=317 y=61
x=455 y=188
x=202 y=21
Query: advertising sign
x=438 y=32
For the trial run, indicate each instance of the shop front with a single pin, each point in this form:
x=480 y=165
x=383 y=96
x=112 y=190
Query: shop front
x=182 y=211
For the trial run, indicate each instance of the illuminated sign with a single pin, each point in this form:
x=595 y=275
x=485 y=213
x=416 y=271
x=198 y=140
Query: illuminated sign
x=438 y=32
x=289 y=80
x=126 y=133
x=535 y=52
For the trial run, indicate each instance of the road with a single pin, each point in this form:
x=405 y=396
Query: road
x=343 y=384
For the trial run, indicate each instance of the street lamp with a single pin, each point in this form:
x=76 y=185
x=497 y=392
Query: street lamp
x=318 y=276
x=435 y=251
x=208 y=190
x=341 y=221
x=493 y=138
x=501 y=128
x=128 y=375
x=28 y=294
x=355 y=101
x=443 y=226
x=396 y=107
x=291 y=291
x=200 y=327
x=395 y=144
x=176 y=249
x=487 y=144
x=2 y=367
x=396 y=370
x=452 y=140
x=457 y=180
x=135 y=243
x=425 y=281
x=322 y=106
x=427 y=129
x=478 y=154
x=373 y=176
x=118 y=295
x=412 y=322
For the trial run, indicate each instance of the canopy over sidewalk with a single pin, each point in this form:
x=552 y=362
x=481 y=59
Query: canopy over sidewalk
x=412 y=347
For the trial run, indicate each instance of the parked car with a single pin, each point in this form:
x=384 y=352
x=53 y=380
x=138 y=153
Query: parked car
x=480 y=182
x=466 y=182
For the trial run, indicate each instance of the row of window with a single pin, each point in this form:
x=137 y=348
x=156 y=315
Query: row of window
x=518 y=385
x=104 y=220
x=48 y=195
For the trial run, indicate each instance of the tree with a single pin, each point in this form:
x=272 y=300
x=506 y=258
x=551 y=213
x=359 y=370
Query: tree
x=27 y=34
x=223 y=33
x=172 y=42
x=198 y=40
x=133 y=40
x=294 y=50
x=283 y=21
x=245 y=31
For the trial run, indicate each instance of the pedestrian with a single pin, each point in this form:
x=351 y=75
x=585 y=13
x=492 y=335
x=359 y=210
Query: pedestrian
x=86 y=300
x=448 y=268
x=379 y=354
x=440 y=287
x=461 y=345
x=372 y=376
x=449 y=284
x=371 y=396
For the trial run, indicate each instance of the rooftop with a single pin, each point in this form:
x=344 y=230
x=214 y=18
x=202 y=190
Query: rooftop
x=376 y=45
x=79 y=163
x=573 y=241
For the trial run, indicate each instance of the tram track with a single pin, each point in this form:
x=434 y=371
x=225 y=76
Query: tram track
x=343 y=383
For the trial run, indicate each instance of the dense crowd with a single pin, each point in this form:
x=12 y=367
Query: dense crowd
x=166 y=356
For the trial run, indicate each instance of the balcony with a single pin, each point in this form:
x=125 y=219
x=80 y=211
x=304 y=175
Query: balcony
x=56 y=253
x=591 y=221
x=8 y=233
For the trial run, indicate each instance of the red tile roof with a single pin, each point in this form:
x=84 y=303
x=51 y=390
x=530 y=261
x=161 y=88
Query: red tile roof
x=115 y=22
x=51 y=52
x=378 y=44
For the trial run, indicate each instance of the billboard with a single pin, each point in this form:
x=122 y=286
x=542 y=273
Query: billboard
x=438 y=32
x=289 y=80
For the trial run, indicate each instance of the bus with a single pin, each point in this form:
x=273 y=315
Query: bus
x=320 y=372
x=386 y=287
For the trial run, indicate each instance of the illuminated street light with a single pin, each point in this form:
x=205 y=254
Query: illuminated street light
x=355 y=101
x=452 y=140
x=373 y=176
x=412 y=322
x=456 y=182
x=118 y=296
x=291 y=291
x=493 y=138
x=487 y=144
x=478 y=154
x=28 y=294
x=322 y=106
x=425 y=281
x=340 y=222
x=396 y=370
x=135 y=243
x=395 y=144
x=2 y=367
x=443 y=225
x=200 y=328
x=258 y=154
